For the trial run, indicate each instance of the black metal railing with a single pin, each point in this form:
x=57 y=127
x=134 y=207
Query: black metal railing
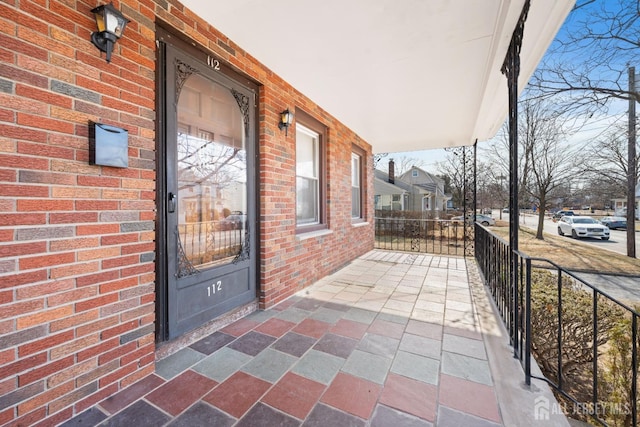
x=435 y=236
x=584 y=340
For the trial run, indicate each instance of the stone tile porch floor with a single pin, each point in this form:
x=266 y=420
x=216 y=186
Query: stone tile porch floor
x=392 y=339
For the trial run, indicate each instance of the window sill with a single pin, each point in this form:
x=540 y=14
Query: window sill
x=359 y=223
x=312 y=234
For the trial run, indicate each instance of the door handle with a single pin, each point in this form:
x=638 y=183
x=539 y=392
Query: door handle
x=171 y=206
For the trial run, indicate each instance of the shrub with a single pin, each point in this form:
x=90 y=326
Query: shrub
x=577 y=332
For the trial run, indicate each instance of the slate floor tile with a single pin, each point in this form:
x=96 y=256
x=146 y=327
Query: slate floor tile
x=386 y=417
x=336 y=306
x=213 y=342
x=469 y=397
x=450 y=418
x=309 y=304
x=318 y=366
x=379 y=344
x=172 y=365
x=336 y=345
x=239 y=327
x=115 y=403
x=368 y=366
x=468 y=332
x=425 y=329
x=202 y=414
x=293 y=314
x=184 y=390
x=410 y=396
x=294 y=395
x=360 y=315
x=283 y=305
x=91 y=417
x=466 y=367
x=140 y=413
x=349 y=328
x=237 y=394
x=261 y=315
x=270 y=365
x=386 y=328
x=263 y=416
x=354 y=395
x=222 y=364
x=312 y=328
x=328 y=315
x=252 y=343
x=275 y=327
x=393 y=318
x=325 y=416
x=417 y=367
x=465 y=346
x=420 y=345
x=294 y=344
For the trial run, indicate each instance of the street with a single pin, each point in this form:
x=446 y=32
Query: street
x=617 y=242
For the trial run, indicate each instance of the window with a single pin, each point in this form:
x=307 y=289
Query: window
x=356 y=188
x=310 y=200
x=414 y=173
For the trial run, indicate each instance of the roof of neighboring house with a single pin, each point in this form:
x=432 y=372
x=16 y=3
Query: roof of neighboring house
x=383 y=186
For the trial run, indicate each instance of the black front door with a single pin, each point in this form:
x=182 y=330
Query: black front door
x=208 y=195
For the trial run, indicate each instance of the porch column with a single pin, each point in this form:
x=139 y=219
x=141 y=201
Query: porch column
x=511 y=69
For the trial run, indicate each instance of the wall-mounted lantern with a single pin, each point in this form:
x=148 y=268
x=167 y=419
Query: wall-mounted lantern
x=111 y=24
x=286 y=118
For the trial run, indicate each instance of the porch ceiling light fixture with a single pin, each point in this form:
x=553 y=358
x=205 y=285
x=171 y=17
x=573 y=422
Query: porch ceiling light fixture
x=286 y=118
x=111 y=24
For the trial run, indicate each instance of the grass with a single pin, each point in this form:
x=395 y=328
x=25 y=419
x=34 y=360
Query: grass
x=571 y=254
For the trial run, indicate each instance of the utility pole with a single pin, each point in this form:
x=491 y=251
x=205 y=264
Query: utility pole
x=631 y=167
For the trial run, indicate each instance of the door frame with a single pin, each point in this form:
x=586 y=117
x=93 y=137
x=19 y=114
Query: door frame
x=166 y=37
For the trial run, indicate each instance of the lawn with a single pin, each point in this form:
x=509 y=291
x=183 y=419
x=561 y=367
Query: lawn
x=572 y=254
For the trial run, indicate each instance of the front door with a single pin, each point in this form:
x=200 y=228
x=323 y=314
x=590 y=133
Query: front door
x=208 y=200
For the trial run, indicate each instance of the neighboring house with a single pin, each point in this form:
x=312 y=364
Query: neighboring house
x=619 y=205
x=414 y=190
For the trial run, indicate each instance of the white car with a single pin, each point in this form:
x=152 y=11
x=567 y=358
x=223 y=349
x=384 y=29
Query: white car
x=582 y=226
x=482 y=219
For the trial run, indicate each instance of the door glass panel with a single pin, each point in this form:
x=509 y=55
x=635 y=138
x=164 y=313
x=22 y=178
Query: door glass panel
x=212 y=173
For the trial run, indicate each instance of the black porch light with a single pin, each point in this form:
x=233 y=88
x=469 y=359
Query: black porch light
x=286 y=118
x=110 y=24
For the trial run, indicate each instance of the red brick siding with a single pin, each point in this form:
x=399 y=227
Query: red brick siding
x=77 y=289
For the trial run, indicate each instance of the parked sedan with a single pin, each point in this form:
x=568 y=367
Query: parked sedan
x=560 y=214
x=614 y=222
x=582 y=226
x=485 y=220
x=482 y=219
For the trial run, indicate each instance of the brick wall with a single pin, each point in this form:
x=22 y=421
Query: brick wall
x=77 y=252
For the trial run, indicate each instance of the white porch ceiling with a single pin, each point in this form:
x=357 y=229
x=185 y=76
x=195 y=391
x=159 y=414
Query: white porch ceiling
x=403 y=74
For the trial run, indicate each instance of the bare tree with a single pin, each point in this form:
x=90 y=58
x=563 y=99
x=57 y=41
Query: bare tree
x=586 y=65
x=452 y=171
x=547 y=163
x=600 y=191
x=607 y=158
